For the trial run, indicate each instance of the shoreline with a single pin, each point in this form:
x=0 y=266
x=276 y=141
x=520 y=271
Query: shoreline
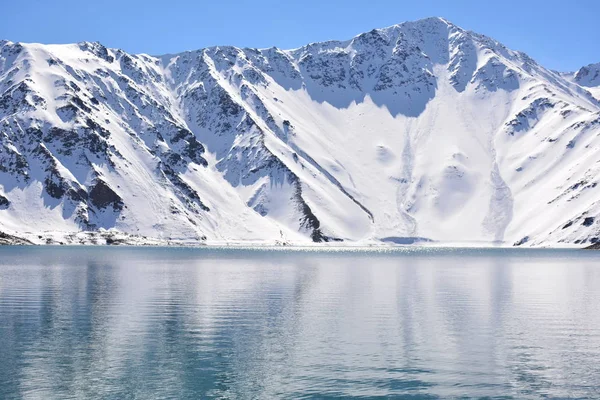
x=121 y=239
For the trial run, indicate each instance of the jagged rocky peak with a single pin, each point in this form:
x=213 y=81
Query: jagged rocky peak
x=97 y=49
x=10 y=48
x=588 y=76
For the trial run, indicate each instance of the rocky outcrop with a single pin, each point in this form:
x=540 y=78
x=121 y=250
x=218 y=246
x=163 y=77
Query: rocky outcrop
x=102 y=196
x=6 y=239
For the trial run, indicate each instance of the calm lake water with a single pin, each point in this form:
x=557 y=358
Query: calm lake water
x=152 y=323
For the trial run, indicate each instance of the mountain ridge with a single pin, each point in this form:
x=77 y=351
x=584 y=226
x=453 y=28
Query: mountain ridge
x=421 y=129
x=173 y=54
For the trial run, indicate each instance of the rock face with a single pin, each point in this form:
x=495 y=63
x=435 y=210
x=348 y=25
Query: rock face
x=589 y=77
x=102 y=196
x=6 y=240
x=420 y=131
x=4 y=202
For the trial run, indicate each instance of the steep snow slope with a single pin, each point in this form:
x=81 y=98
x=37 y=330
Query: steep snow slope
x=85 y=146
x=419 y=130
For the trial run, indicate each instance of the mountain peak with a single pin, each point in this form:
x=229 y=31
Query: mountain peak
x=431 y=20
x=589 y=75
x=425 y=24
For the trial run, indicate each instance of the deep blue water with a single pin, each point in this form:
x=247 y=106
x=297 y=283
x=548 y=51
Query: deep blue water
x=155 y=323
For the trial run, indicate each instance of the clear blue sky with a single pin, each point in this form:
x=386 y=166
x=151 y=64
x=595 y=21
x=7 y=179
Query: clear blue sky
x=563 y=35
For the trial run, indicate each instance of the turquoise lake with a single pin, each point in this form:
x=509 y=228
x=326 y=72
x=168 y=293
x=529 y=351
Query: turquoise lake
x=176 y=323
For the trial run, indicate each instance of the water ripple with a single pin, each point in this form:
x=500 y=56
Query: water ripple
x=236 y=324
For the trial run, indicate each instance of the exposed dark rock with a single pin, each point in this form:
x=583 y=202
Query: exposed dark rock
x=189 y=194
x=95 y=127
x=74 y=86
x=227 y=105
x=173 y=158
x=4 y=202
x=308 y=221
x=192 y=148
x=55 y=185
x=21 y=97
x=194 y=151
x=588 y=221
x=81 y=104
x=13 y=163
x=332 y=179
x=568 y=224
x=529 y=116
x=68 y=138
x=77 y=194
x=102 y=196
x=114 y=241
x=98 y=50
x=522 y=241
x=182 y=134
x=6 y=239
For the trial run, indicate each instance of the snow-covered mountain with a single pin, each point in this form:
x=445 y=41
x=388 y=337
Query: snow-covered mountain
x=589 y=77
x=419 y=131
